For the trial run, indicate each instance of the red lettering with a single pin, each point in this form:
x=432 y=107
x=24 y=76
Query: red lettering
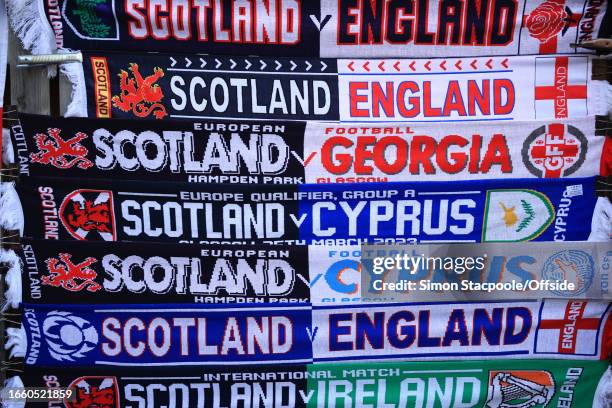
x=497 y=154
x=382 y=99
x=422 y=154
x=498 y=86
x=427 y=109
x=421 y=151
x=475 y=154
x=415 y=108
x=363 y=154
x=478 y=96
x=401 y=153
x=355 y=98
x=454 y=100
x=458 y=158
x=344 y=160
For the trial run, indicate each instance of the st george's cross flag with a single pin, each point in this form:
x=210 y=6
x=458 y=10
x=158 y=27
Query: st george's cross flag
x=565 y=328
x=313 y=28
x=561 y=86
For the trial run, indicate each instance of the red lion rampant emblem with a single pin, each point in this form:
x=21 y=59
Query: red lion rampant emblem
x=94 y=392
x=84 y=211
x=548 y=19
x=54 y=150
x=70 y=276
x=141 y=96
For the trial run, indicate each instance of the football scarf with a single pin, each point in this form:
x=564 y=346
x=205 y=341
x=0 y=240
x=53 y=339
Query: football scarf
x=178 y=334
x=132 y=273
x=163 y=86
x=305 y=152
x=3 y=66
x=313 y=28
x=485 y=271
x=491 y=383
x=343 y=214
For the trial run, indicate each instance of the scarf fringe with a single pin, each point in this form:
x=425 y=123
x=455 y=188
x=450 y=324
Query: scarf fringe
x=600 y=98
x=13 y=294
x=11 y=213
x=603 y=393
x=601 y=223
x=17 y=342
x=30 y=26
x=3 y=51
x=602 y=399
x=8 y=154
x=78 y=96
x=13 y=382
x=28 y=20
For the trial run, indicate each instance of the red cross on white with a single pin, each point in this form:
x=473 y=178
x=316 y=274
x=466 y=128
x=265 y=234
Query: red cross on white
x=551 y=45
x=569 y=327
x=561 y=87
x=553 y=152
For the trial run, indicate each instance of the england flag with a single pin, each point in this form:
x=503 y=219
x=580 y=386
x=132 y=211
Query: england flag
x=570 y=327
x=561 y=87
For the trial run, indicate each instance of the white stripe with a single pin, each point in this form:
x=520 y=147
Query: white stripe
x=373 y=358
x=250 y=309
x=446 y=241
x=160 y=378
x=449 y=192
x=475 y=370
x=147 y=194
x=184 y=363
x=228 y=117
x=373 y=121
x=250 y=72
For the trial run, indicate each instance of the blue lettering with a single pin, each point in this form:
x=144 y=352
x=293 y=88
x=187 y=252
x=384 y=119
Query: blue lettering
x=513 y=313
x=424 y=339
x=515 y=267
x=333 y=276
x=335 y=330
x=401 y=337
x=490 y=327
x=372 y=330
x=456 y=329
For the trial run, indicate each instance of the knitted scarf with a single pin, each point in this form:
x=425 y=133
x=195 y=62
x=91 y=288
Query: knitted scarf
x=313 y=28
x=240 y=151
x=342 y=214
x=492 y=383
x=163 y=86
x=178 y=334
x=134 y=273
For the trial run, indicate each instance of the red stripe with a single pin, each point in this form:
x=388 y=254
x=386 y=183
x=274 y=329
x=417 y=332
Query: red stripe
x=606 y=158
x=549 y=47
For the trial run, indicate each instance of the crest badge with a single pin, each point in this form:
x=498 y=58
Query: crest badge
x=89 y=215
x=516 y=215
